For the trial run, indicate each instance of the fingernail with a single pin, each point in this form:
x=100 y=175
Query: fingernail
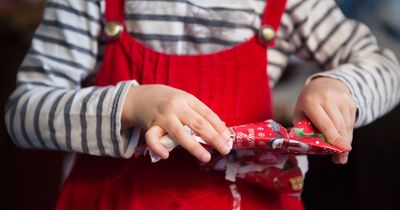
x=343 y=160
x=225 y=149
x=205 y=157
x=226 y=135
x=165 y=155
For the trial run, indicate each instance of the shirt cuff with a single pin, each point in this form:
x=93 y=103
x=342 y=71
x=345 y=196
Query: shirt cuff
x=128 y=138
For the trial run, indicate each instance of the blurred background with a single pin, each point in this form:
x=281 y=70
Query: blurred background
x=28 y=179
x=371 y=180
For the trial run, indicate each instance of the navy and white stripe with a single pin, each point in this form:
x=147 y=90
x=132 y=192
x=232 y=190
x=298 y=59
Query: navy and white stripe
x=50 y=110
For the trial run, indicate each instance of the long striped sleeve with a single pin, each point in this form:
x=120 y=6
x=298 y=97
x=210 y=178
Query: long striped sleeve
x=49 y=109
x=317 y=31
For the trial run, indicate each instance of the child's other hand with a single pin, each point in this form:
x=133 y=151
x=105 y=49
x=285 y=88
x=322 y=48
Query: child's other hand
x=328 y=103
x=164 y=110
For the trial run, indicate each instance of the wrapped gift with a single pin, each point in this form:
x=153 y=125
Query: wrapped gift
x=264 y=153
x=303 y=138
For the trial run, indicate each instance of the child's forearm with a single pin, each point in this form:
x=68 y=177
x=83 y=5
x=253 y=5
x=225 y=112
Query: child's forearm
x=49 y=110
x=70 y=120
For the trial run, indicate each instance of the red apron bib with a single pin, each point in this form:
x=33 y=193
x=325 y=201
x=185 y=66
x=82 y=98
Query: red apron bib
x=233 y=83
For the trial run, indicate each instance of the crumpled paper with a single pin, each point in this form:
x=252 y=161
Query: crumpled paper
x=303 y=138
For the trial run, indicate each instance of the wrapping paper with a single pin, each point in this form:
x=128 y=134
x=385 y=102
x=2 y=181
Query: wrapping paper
x=264 y=154
x=303 y=138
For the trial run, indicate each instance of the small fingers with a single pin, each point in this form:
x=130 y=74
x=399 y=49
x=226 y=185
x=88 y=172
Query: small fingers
x=339 y=120
x=153 y=136
x=322 y=121
x=350 y=118
x=210 y=116
x=341 y=158
x=205 y=130
x=176 y=129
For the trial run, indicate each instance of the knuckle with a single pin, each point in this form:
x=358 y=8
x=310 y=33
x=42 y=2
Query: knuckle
x=190 y=97
x=208 y=114
x=163 y=121
x=198 y=124
x=172 y=109
x=178 y=133
x=342 y=128
x=325 y=126
x=172 y=102
x=349 y=127
x=308 y=99
x=329 y=95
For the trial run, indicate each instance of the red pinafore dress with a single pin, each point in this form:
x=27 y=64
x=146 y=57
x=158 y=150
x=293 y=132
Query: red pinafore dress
x=232 y=82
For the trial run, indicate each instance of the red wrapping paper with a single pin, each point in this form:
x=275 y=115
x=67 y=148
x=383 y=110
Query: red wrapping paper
x=303 y=138
x=259 y=153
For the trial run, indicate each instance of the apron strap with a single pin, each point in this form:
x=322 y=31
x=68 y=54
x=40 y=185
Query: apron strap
x=114 y=10
x=273 y=15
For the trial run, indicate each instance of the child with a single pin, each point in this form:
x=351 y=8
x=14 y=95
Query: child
x=161 y=65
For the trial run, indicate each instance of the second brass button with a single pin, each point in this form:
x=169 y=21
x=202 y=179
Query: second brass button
x=267 y=34
x=113 y=29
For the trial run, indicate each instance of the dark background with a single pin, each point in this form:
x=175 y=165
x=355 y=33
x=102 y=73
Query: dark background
x=371 y=179
x=28 y=179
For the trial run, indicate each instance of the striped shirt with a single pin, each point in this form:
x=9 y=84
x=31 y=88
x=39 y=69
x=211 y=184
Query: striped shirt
x=49 y=109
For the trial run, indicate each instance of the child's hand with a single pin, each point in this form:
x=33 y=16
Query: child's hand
x=328 y=103
x=162 y=109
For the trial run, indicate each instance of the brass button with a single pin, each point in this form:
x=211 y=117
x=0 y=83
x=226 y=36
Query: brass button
x=267 y=34
x=113 y=29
